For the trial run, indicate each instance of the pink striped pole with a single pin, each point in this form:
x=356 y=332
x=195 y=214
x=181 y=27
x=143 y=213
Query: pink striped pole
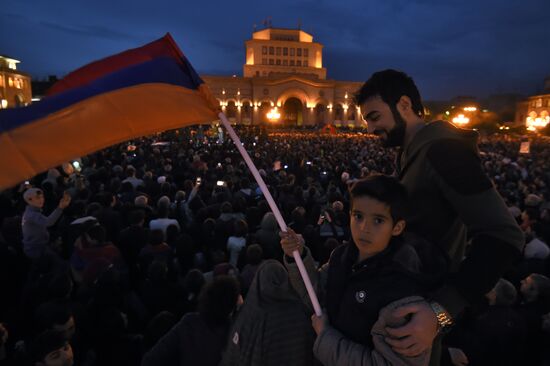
x=274 y=209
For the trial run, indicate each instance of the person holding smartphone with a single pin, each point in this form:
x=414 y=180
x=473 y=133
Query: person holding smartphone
x=35 y=224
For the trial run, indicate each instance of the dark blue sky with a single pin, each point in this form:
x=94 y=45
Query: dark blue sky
x=450 y=47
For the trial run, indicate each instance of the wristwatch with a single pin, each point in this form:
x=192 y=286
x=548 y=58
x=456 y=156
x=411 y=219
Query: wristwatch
x=444 y=319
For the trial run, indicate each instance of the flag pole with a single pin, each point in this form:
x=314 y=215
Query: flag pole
x=274 y=209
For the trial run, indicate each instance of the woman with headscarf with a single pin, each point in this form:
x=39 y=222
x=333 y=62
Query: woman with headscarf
x=272 y=327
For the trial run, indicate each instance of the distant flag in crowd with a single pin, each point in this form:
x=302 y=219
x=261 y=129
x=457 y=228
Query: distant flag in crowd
x=137 y=92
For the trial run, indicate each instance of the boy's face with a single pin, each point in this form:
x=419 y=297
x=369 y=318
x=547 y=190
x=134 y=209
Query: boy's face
x=372 y=226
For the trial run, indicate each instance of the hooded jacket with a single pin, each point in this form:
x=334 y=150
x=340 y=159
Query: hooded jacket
x=273 y=327
x=451 y=198
x=268 y=237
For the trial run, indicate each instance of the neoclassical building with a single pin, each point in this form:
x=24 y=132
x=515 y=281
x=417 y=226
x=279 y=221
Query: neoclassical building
x=534 y=112
x=15 y=86
x=284 y=82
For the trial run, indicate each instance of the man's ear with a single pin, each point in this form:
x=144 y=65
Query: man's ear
x=404 y=105
x=398 y=228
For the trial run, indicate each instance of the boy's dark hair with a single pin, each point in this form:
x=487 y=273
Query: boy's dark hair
x=391 y=85
x=218 y=299
x=385 y=189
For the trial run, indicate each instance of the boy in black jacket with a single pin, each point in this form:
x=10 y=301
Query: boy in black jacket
x=363 y=278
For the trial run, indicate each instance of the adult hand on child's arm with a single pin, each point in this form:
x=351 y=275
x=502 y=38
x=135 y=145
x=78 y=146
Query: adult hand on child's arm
x=417 y=335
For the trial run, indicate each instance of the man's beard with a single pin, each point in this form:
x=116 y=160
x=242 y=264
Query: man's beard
x=396 y=136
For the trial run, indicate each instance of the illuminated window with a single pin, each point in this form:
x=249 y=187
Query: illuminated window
x=264 y=61
x=264 y=50
x=271 y=50
x=278 y=62
x=271 y=62
x=1 y=80
x=292 y=52
x=285 y=62
x=299 y=63
x=291 y=62
x=285 y=51
x=538 y=103
x=306 y=52
x=299 y=52
x=278 y=51
x=548 y=102
x=10 y=82
x=305 y=63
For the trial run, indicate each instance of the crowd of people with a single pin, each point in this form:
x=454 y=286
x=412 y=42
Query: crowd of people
x=163 y=250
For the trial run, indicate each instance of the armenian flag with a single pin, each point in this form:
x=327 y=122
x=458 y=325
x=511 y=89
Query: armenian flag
x=137 y=92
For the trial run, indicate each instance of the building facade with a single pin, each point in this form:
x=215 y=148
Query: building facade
x=15 y=86
x=534 y=112
x=284 y=83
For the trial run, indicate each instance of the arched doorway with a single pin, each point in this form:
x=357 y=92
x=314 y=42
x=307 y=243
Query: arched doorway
x=246 y=113
x=320 y=110
x=292 y=112
x=231 y=112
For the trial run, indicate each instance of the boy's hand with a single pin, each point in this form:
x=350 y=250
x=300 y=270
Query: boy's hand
x=290 y=241
x=418 y=334
x=65 y=201
x=318 y=323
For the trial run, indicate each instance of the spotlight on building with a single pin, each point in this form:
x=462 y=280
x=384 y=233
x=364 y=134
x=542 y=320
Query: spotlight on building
x=273 y=115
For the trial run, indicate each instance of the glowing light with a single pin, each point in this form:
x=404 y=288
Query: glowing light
x=329 y=106
x=447 y=113
x=4 y=103
x=223 y=91
x=461 y=120
x=470 y=109
x=537 y=122
x=346 y=96
x=345 y=107
x=273 y=115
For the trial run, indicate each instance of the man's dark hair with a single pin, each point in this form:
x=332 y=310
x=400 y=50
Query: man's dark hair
x=240 y=228
x=156 y=237
x=390 y=85
x=254 y=254
x=136 y=217
x=385 y=189
x=218 y=299
x=52 y=313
